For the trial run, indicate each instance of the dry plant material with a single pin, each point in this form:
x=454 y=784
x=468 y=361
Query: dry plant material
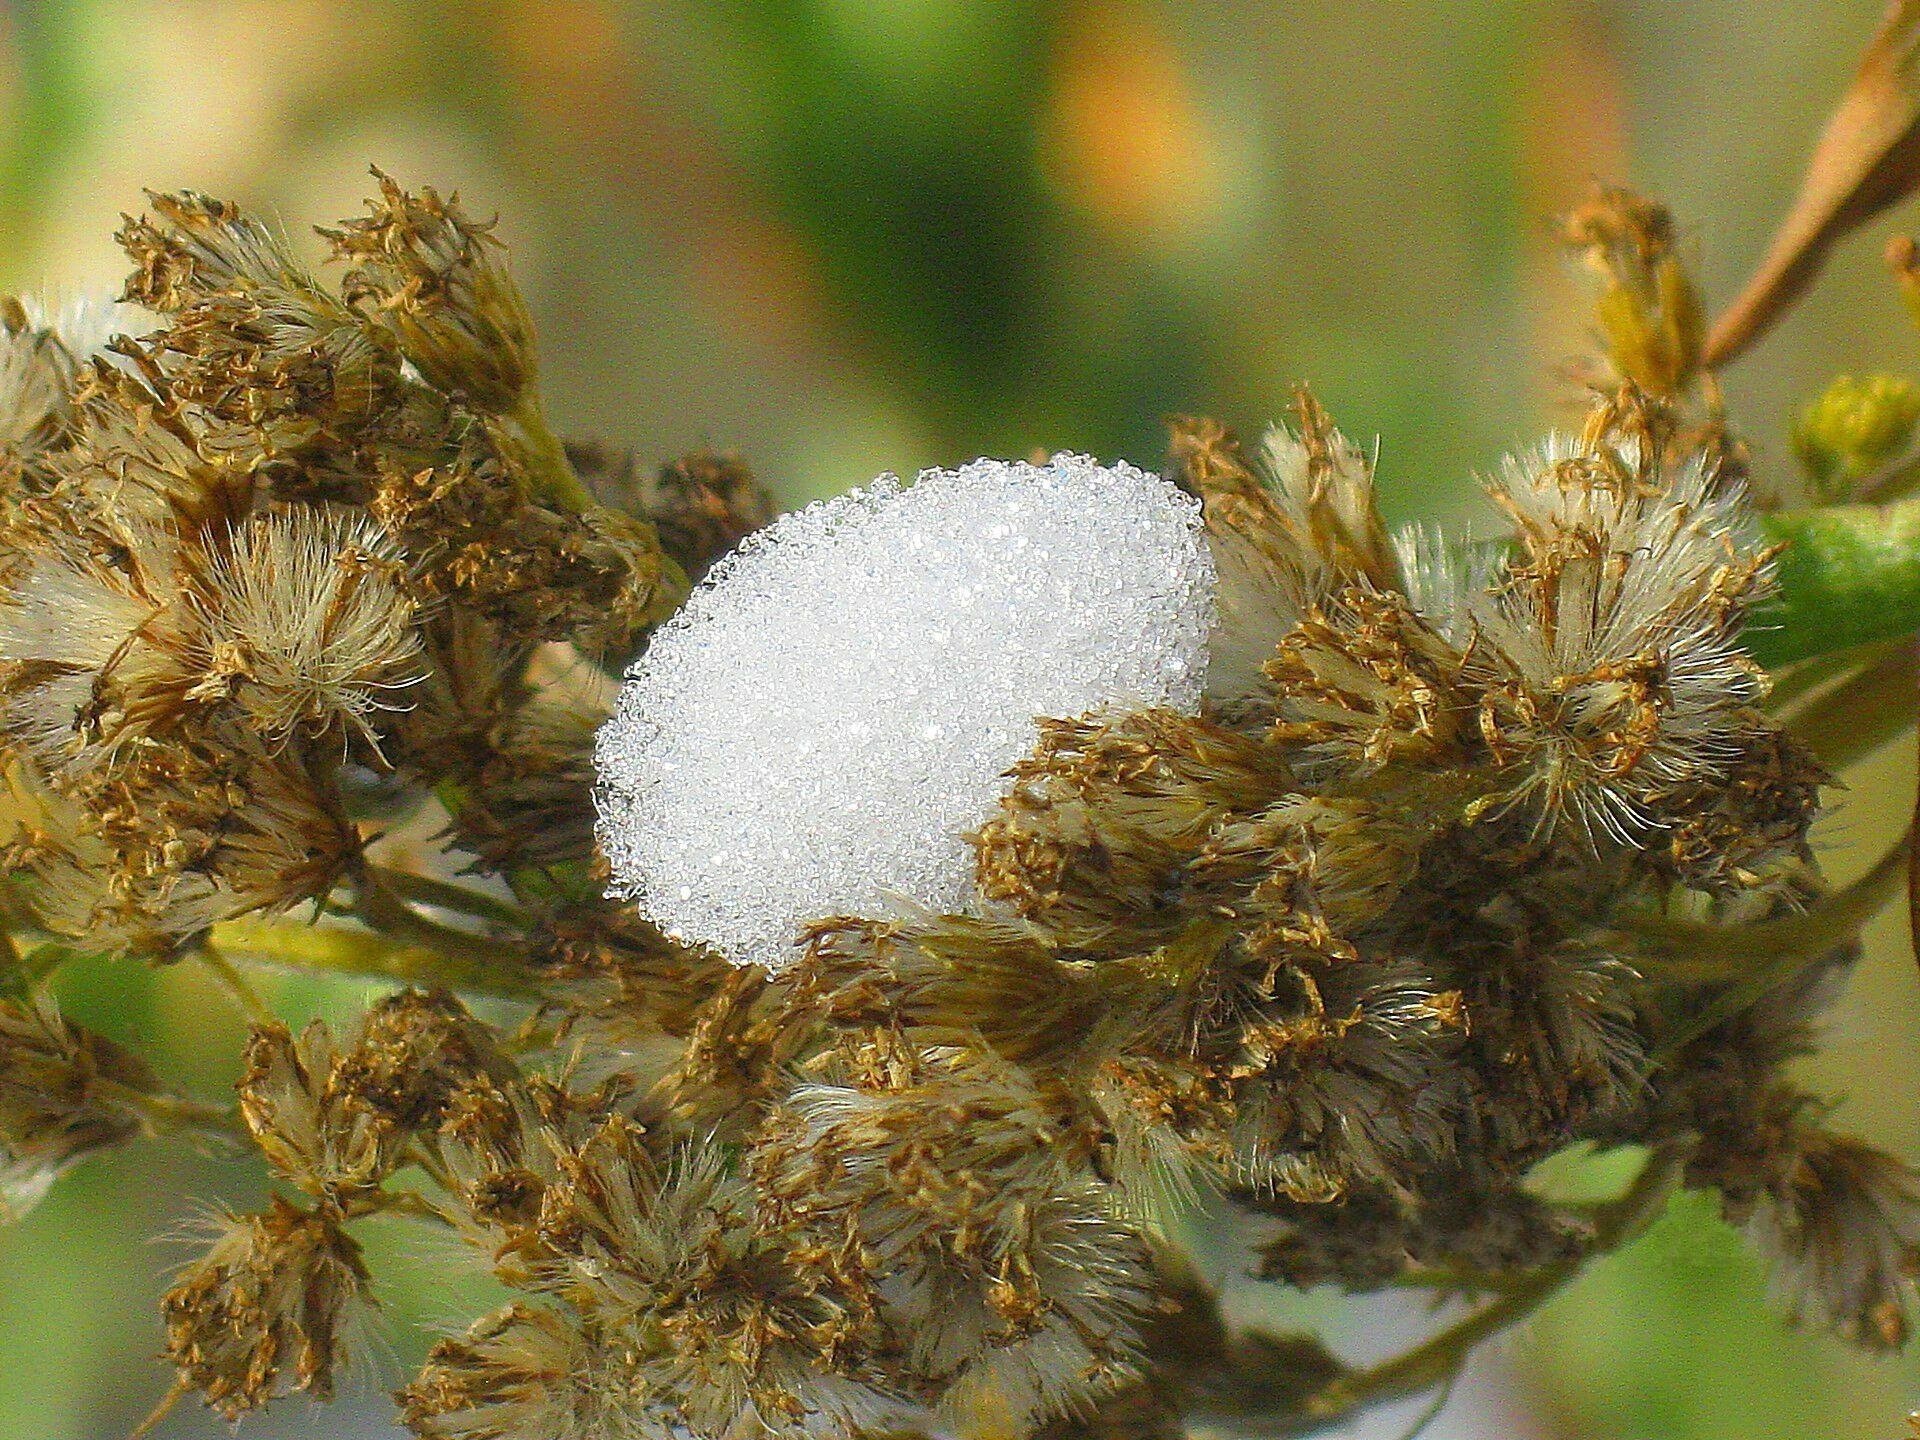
x=1460 y=856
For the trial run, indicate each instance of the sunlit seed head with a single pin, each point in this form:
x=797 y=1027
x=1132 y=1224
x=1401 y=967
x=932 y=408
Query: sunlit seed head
x=304 y=624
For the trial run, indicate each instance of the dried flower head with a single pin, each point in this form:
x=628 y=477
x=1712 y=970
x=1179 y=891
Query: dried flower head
x=703 y=504
x=1286 y=530
x=94 y=652
x=267 y=1310
x=434 y=278
x=268 y=357
x=304 y=626
x=1613 y=677
x=530 y=1372
x=980 y=1239
x=1649 y=313
x=1843 y=1230
x=38 y=366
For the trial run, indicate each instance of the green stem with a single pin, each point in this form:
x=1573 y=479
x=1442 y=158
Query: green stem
x=1688 y=952
x=1438 y=1360
x=1458 y=1281
x=536 y=446
x=414 y=1206
x=1795 y=683
x=164 y=1114
x=365 y=955
x=1894 y=481
x=381 y=909
x=16 y=979
x=37 y=963
x=444 y=895
x=234 y=983
x=1750 y=961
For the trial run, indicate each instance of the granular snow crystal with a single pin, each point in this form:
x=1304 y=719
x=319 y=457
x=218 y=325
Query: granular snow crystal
x=836 y=706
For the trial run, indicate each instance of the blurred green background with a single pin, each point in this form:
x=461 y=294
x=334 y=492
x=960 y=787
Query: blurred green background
x=847 y=236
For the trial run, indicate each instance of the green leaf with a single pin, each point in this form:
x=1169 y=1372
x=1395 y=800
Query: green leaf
x=1849 y=575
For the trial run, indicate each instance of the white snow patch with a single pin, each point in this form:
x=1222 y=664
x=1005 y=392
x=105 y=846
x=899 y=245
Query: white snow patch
x=837 y=704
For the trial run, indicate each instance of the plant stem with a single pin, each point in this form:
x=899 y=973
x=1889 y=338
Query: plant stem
x=539 y=449
x=1459 y=1282
x=165 y=1114
x=1851 y=720
x=16 y=979
x=1894 y=481
x=1689 y=952
x=414 y=1206
x=445 y=895
x=1749 y=961
x=379 y=908
x=235 y=984
x=1793 y=686
x=1439 y=1359
x=26 y=973
x=339 y=951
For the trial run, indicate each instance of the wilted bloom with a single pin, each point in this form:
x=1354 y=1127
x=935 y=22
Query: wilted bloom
x=1843 y=1229
x=1286 y=529
x=187 y=837
x=38 y=367
x=436 y=280
x=980 y=1237
x=1648 y=310
x=335 y=1116
x=703 y=504
x=92 y=652
x=530 y=1372
x=253 y=341
x=1612 y=670
x=267 y=1310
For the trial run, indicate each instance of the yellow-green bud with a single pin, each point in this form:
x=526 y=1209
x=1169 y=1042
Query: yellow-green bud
x=1852 y=429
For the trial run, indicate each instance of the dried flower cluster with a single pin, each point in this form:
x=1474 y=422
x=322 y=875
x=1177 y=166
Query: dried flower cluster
x=1469 y=854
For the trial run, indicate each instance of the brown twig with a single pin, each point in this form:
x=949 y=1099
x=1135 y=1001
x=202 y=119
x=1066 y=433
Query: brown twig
x=1867 y=158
